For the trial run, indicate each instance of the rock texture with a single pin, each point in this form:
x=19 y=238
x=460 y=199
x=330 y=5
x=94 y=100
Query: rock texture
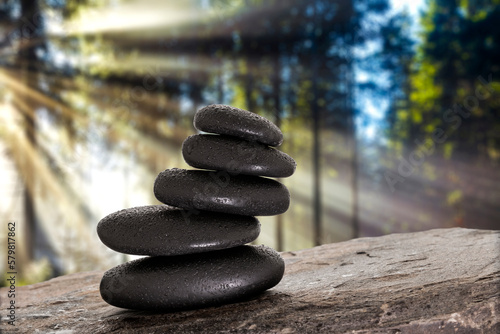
x=438 y=281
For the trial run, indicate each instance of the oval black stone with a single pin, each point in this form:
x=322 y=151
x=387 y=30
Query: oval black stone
x=219 y=191
x=172 y=283
x=164 y=230
x=231 y=121
x=236 y=156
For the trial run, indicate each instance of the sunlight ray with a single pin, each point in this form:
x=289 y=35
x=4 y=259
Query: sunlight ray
x=23 y=151
x=119 y=131
x=24 y=89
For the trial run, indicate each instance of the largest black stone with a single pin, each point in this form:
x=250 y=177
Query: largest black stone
x=192 y=281
x=231 y=121
x=221 y=192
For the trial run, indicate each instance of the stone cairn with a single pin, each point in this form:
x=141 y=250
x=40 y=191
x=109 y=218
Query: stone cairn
x=195 y=244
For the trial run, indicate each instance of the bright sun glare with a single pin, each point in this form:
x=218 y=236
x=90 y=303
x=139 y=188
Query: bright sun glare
x=133 y=16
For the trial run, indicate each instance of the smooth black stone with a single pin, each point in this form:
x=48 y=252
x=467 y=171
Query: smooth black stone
x=172 y=283
x=164 y=230
x=231 y=121
x=219 y=191
x=236 y=156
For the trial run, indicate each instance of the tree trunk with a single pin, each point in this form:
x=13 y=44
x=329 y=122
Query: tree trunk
x=249 y=85
x=317 y=209
x=31 y=29
x=277 y=121
x=354 y=146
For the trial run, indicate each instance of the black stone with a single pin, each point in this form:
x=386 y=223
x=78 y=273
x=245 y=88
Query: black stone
x=236 y=156
x=163 y=230
x=172 y=283
x=219 y=191
x=231 y=121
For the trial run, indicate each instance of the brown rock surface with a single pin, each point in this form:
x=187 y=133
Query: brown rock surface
x=437 y=281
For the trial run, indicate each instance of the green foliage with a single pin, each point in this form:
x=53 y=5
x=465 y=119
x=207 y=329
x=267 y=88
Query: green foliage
x=459 y=44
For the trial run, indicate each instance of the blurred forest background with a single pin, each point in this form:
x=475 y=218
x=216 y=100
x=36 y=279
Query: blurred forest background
x=390 y=108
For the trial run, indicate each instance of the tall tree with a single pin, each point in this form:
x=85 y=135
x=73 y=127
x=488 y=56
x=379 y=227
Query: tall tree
x=30 y=28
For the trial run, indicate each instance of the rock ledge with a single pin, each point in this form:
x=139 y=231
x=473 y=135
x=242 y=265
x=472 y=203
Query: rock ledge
x=437 y=281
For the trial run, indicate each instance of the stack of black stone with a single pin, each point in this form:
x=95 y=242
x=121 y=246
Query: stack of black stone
x=195 y=244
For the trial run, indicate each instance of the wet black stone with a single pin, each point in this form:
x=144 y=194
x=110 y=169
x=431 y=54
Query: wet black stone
x=231 y=121
x=172 y=283
x=236 y=156
x=164 y=230
x=219 y=191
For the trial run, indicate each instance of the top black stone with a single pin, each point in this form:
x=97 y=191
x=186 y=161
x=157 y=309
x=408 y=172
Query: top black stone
x=231 y=121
